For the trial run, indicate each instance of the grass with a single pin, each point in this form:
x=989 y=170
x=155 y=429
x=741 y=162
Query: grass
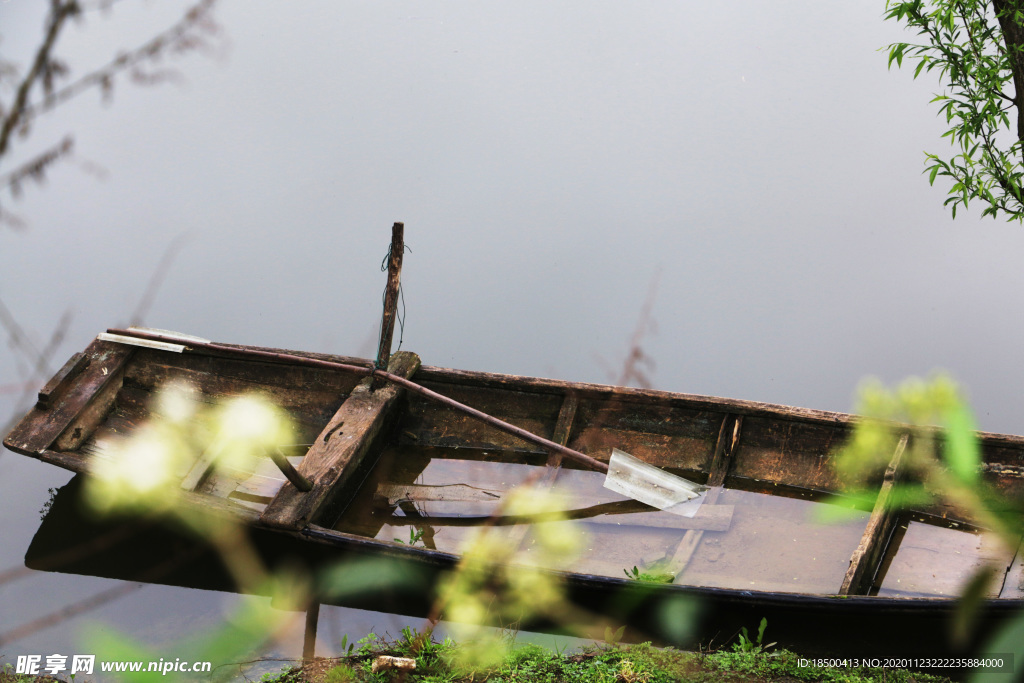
x=439 y=663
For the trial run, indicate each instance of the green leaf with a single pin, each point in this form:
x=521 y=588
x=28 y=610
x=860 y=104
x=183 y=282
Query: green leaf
x=962 y=452
x=676 y=617
x=362 y=576
x=968 y=609
x=931 y=176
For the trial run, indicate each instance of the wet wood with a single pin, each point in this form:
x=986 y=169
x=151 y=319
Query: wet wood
x=476 y=414
x=563 y=427
x=69 y=461
x=340 y=450
x=429 y=423
x=390 y=494
x=309 y=633
x=708 y=517
x=866 y=558
x=291 y=386
x=83 y=405
x=661 y=435
x=60 y=382
x=604 y=392
x=790 y=452
x=725 y=448
x=779 y=446
x=1013 y=580
x=291 y=474
x=200 y=470
x=560 y=435
x=387 y=326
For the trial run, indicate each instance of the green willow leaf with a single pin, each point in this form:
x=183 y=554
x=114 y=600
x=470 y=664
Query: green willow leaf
x=962 y=452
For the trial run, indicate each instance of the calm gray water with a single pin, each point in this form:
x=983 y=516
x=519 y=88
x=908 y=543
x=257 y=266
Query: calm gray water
x=753 y=163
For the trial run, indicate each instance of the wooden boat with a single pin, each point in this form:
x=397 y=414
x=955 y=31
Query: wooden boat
x=384 y=461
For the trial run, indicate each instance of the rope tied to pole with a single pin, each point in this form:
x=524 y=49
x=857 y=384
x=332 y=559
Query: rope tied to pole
x=392 y=294
x=399 y=316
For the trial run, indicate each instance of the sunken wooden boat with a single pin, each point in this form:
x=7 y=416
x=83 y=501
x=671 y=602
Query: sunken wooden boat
x=386 y=463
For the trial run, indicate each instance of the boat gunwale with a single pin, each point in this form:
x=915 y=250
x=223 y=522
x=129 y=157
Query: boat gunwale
x=541 y=385
x=597 y=391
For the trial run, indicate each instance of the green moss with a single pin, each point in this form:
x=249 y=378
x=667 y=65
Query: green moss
x=440 y=663
x=343 y=673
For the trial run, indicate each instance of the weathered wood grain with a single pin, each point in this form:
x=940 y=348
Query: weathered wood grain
x=790 y=452
x=865 y=559
x=387 y=325
x=725 y=448
x=60 y=382
x=82 y=406
x=340 y=449
x=428 y=423
x=709 y=517
x=227 y=376
x=661 y=435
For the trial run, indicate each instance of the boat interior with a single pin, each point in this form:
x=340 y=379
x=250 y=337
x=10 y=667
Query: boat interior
x=421 y=474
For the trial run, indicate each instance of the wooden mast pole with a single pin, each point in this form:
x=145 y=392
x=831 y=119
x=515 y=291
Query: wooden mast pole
x=387 y=327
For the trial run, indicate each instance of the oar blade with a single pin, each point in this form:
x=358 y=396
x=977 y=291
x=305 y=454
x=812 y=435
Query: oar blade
x=648 y=484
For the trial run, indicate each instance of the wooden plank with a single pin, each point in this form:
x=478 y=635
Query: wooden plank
x=725 y=447
x=227 y=376
x=659 y=434
x=86 y=401
x=563 y=427
x=429 y=423
x=340 y=449
x=605 y=392
x=788 y=452
x=1013 y=580
x=708 y=518
x=561 y=434
x=390 y=494
x=866 y=558
x=200 y=469
x=387 y=325
x=450 y=500
x=60 y=382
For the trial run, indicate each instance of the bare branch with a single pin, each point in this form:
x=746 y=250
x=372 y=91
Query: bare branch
x=193 y=31
x=18 y=339
x=35 y=169
x=645 y=324
x=41 y=68
x=189 y=33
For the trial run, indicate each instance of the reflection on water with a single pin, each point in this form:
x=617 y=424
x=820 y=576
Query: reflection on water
x=937 y=561
x=738 y=539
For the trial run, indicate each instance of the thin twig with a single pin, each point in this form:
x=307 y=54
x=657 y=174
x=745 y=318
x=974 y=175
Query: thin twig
x=157 y=279
x=18 y=114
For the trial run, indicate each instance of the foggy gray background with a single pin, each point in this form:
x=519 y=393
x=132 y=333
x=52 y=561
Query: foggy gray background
x=548 y=159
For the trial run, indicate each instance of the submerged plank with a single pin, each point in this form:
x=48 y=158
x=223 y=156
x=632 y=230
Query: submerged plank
x=866 y=558
x=725 y=447
x=340 y=450
x=391 y=494
x=708 y=518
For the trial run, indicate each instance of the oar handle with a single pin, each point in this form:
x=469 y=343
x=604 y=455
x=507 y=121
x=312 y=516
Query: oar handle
x=546 y=444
